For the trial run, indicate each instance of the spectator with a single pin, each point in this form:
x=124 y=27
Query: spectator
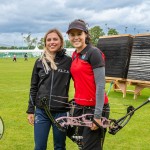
x=14 y=58
x=25 y=57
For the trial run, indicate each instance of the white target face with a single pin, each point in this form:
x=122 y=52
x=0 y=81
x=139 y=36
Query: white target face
x=1 y=127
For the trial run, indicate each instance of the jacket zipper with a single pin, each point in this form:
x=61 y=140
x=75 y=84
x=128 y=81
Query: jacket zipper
x=51 y=87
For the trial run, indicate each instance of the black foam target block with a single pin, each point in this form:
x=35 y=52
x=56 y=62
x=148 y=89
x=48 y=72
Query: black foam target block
x=117 y=50
x=139 y=67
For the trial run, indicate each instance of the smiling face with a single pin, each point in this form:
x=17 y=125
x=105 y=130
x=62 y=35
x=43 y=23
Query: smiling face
x=53 y=42
x=77 y=39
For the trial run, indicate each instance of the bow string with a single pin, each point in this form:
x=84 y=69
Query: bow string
x=88 y=119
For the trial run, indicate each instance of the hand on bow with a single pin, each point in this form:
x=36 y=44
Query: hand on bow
x=96 y=124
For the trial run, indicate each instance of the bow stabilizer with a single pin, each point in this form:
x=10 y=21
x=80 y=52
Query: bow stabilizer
x=116 y=125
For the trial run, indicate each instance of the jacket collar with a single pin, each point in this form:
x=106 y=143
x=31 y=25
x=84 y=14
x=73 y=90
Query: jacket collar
x=61 y=53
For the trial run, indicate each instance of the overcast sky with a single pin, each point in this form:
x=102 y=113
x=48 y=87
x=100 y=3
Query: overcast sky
x=38 y=16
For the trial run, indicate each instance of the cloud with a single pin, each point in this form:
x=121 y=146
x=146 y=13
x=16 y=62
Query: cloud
x=38 y=16
x=101 y=5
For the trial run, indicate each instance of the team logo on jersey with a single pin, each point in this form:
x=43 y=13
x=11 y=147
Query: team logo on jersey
x=83 y=56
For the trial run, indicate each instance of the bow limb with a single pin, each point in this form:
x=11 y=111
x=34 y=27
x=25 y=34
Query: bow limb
x=50 y=115
x=84 y=120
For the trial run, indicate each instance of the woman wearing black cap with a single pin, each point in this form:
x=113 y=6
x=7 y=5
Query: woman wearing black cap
x=88 y=73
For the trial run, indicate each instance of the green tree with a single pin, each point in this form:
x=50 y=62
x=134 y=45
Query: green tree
x=3 y=47
x=41 y=43
x=31 y=42
x=68 y=44
x=95 y=33
x=112 y=31
x=34 y=41
x=27 y=40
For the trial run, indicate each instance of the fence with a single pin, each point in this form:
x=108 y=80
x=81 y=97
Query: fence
x=30 y=53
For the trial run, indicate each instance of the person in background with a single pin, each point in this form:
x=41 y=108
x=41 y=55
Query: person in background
x=88 y=73
x=14 y=58
x=50 y=81
x=25 y=57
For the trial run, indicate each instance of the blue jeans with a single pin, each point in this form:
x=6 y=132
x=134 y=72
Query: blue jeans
x=42 y=125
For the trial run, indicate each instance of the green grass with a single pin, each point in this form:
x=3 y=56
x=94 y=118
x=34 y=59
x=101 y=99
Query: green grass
x=18 y=134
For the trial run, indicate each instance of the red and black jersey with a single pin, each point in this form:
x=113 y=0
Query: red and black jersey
x=82 y=73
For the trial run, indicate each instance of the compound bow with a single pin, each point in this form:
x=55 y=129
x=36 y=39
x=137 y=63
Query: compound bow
x=87 y=120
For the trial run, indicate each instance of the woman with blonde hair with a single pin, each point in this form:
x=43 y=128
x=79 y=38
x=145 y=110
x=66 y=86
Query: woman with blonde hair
x=50 y=81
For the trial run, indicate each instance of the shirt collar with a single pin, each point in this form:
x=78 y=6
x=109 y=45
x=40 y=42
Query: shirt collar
x=85 y=49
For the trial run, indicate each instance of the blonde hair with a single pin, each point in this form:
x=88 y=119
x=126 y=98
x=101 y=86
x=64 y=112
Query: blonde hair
x=46 y=55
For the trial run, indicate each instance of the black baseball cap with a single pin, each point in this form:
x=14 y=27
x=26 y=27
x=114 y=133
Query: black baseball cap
x=77 y=24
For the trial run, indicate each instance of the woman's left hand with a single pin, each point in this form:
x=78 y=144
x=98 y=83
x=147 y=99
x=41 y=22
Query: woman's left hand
x=94 y=126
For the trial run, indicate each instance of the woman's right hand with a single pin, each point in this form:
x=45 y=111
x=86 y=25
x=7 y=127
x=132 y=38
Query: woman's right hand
x=31 y=119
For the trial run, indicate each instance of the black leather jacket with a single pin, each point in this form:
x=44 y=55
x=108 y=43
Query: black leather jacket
x=53 y=85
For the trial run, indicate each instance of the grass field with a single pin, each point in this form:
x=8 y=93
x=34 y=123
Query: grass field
x=18 y=135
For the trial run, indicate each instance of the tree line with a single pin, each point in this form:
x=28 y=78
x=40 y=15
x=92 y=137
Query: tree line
x=31 y=42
